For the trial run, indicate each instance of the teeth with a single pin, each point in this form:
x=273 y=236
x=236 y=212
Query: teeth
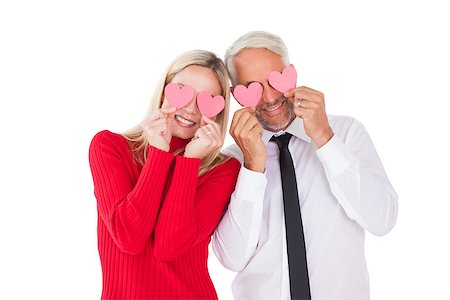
x=274 y=108
x=184 y=121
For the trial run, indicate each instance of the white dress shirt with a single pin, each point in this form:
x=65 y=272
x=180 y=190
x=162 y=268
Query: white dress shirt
x=343 y=191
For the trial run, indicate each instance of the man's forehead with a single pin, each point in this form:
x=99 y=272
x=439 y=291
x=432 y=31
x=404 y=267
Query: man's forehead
x=257 y=55
x=256 y=64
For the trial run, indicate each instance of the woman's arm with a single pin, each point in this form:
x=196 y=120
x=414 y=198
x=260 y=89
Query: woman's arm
x=190 y=212
x=127 y=205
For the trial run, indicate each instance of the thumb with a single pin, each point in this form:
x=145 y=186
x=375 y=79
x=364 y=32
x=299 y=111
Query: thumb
x=290 y=93
x=169 y=120
x=170 y=117
x=203 y=121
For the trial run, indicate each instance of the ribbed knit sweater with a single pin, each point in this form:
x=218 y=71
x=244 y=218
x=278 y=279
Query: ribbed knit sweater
x=155 y=221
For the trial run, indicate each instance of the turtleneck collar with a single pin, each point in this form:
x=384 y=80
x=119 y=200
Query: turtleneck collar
x=177 y=143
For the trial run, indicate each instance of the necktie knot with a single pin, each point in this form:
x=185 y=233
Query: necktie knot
x=281 y=140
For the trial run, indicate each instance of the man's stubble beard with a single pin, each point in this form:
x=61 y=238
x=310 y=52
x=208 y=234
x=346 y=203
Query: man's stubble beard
x=276 y=127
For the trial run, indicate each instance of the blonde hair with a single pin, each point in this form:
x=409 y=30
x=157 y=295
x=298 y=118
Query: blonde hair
x=256 y=40
x=136 y=136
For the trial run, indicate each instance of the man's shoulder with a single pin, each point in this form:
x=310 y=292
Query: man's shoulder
x=340 y=119
x=343 y=123
x=234 y=151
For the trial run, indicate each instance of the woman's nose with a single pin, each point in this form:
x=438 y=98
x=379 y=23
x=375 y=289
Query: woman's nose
x=192 y=107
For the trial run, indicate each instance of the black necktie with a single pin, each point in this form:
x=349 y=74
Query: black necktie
x=298 y=270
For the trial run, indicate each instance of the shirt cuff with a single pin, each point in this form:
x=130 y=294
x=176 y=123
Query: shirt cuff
x=250 y=185
x=335 y=156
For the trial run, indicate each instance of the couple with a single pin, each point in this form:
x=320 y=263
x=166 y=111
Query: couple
x=308 y=187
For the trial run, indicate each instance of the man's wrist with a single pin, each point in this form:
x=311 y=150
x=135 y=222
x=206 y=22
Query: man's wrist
x=323 y=138
x=258 y=166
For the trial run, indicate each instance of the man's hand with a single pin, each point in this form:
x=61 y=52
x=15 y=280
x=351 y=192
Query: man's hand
x=247 y=132
x=309 y=105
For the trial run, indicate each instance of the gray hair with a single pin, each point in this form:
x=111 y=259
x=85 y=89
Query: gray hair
x=254 y=39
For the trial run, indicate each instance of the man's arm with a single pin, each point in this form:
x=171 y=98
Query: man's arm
x=358 y=181
x=354 y=171
x=237 y=235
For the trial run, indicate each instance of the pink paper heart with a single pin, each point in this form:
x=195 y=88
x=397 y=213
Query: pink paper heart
x=178 y=96
x=209 y=105
x=248 y=96
x=284 y=81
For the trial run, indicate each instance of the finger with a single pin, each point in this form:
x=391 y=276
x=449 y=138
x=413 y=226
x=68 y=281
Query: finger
x=241 y=124
x=301 y=112
x=202 y=122
x=207 y=120
x=158 y=128
x=312 y=91
x=296 y=102
x=256 y=131
x=238 y=115
x=208 y=128
x=291 y=92
x=211 y=133
x=246 y=122
x=161 y=113
x=168 y=110
x=249 y=126
x=170 y=116
x=309 y=104
x=304 y=94
x=155 y=115
x=303 y=89
x=201 y=133
x=218 y=130
x=210 y=124
x=169 y=122
x=150 y=123
x=215 y=129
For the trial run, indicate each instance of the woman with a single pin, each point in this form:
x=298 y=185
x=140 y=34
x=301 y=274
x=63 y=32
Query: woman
x=162 y=188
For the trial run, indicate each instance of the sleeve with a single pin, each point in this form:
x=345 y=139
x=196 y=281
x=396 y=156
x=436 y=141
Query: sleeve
x=358 y=180
x=128 y=208
x=236 y=237
x=191 y=210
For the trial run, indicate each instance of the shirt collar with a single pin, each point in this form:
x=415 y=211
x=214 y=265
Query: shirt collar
x=296 y=128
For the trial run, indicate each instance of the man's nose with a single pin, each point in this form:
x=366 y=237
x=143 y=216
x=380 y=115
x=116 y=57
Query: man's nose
x=270 y=94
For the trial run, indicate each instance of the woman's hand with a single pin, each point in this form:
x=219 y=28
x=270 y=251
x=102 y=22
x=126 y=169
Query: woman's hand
x=157 y=128
x=206 y=139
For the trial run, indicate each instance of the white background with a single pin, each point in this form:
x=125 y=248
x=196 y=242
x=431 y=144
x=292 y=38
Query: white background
x=69 y=69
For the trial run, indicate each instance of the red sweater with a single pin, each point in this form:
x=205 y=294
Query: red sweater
x=155 y=221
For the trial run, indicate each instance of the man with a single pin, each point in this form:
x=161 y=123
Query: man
x=340 y=189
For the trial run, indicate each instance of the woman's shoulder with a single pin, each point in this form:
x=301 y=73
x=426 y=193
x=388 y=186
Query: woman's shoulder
x=106 y=139
x=231 y=166
x=233 y=163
